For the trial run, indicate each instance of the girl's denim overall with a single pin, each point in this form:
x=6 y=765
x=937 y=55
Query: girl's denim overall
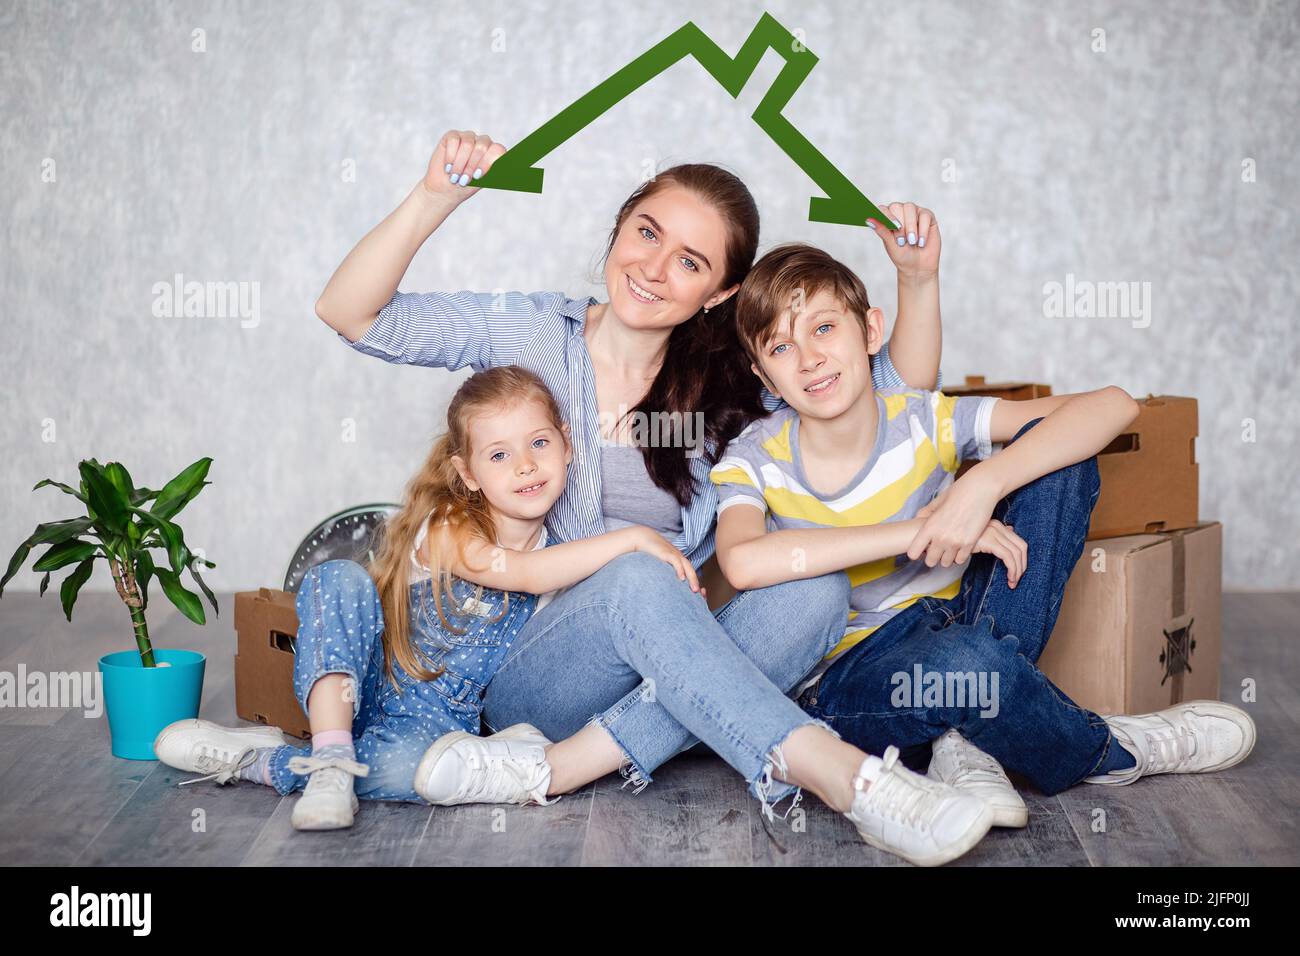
x=340 y=623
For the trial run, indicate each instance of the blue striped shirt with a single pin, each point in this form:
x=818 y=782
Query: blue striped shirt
x=542 y=331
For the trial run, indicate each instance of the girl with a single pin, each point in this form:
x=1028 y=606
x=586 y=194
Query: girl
x=388 y=661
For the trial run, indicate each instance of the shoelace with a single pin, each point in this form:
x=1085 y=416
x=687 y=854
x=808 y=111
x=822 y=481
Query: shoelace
x=898 y=798
x=1168 y=747
x=310 y=765
x=491 y=787
x=972 y=765
x=220 y=765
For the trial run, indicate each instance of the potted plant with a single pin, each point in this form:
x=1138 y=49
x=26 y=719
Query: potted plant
x=148 y=688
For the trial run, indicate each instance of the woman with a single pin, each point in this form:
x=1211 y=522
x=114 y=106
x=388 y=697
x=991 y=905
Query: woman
x=663 y=343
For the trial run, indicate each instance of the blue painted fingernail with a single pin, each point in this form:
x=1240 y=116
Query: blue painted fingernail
x=901 y=241
x=922 y=242
x=452 y=177
x=447 y=168
x=464 y=178
x=478 y=173
x=911 y=238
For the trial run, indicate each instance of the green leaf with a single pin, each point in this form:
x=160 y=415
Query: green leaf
x=178 y=492
x=144 y=570
x=45 y=583
x=65 y=553
x=51 y=532
x=109 y=504
x=61 y=486
x=120 y=478
x=187 y=601
x=142 y=495
x=212 y=598
x=173 y=539
x=16 y=562
x=72 y=584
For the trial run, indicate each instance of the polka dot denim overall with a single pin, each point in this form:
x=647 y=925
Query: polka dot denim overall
x=340 y=623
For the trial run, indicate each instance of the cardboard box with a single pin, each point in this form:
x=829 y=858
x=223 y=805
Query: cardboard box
x=266 y=623
x=1149 y=475
x=1014 y=391
x=1140 y=624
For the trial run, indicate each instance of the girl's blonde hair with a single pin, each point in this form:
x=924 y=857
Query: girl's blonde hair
x=437 y=488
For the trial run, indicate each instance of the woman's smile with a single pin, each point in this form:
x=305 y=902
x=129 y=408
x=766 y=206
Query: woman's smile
x=640 y=294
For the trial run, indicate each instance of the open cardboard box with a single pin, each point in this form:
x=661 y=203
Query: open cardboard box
x=1140 y=625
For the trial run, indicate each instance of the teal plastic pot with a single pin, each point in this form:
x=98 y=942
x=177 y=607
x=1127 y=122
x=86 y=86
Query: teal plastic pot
x=141 y=700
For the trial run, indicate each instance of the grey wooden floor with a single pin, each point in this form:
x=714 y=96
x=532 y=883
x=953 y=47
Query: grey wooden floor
x=65 y=800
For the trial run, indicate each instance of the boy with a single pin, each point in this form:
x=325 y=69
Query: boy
x=845 y=477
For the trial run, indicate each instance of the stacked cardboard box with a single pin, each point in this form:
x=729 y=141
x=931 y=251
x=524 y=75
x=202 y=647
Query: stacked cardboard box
x=1140 y=624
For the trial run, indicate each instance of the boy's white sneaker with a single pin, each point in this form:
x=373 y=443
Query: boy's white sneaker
x=956 y=761
x=200 y=746
x=507 y=767
x=1198 y=736
x=923 y=821
x=329 y=801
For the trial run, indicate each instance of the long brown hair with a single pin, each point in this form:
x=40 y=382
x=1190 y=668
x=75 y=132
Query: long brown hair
x=435 y=495
x=701 y=370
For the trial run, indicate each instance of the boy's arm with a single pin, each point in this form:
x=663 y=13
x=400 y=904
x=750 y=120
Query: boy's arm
x=916 y=342
x=1074 y=427
x=750 y=556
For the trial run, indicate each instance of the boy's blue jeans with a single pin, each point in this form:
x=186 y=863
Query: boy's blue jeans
x=988 y=636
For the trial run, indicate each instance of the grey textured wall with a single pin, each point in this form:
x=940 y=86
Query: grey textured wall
x=1167 y=158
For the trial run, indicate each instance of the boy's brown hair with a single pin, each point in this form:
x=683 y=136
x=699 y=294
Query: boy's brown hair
x=782 y=282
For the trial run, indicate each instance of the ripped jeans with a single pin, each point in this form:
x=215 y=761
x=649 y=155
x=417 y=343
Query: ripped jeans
x=635 y=647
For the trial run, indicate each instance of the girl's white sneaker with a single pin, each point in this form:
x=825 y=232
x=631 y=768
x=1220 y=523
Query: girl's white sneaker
x=507 y=767
x=1199 y=736
x=923 y=821
x=329 y=801
x=956 y=761
x=200 y=746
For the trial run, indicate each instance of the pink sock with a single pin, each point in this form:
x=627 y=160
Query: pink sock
x=330 y=738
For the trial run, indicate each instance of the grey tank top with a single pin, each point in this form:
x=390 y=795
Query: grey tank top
x=628 y=496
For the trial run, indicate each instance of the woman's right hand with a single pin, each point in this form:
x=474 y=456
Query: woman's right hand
x=469 y=155
x=652 y=542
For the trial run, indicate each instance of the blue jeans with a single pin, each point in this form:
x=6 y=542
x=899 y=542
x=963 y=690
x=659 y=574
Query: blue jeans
x=340 y=628
x=633 y=649
x=991 y=633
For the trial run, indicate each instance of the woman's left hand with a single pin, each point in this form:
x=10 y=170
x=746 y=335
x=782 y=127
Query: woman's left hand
x=914 y=246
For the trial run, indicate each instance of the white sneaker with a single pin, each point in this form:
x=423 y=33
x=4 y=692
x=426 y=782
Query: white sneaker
x=507 y=767
x=1199 y=736
x=923 y=821
x=329 y=801
x=200 y=746
x=956 y=761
